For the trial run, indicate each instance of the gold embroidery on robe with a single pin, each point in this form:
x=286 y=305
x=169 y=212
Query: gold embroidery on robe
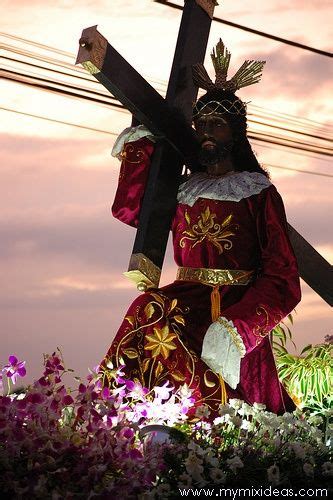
x=161 y=342
x=165 y=320
x=261 y=331
x=129 y=149
x=206 y=228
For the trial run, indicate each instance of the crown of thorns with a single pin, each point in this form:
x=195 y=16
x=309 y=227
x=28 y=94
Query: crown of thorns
x=219 y=108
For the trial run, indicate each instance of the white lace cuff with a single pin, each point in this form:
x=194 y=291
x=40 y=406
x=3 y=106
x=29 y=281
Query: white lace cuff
x=130 y=134
x=236 y=338
x=222 y=350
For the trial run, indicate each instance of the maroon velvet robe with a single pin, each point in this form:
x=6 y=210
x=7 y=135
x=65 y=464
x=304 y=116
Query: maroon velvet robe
x=161 y=336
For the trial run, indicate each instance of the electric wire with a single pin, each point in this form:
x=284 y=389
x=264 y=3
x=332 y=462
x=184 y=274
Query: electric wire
x=62 y=122
x=267 y=114
x=116 y=134
x=104 y=92
x=100 y=98
x=254 y=31
x=162 y=89
x=278 y=147
x=301 y=171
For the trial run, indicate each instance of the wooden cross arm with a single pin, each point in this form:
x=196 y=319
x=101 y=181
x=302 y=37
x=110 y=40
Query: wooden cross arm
x=106 y=64
x=313 y=268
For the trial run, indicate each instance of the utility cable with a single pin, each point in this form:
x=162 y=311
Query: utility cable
x=116 y=134
x=105 y=99
x=255 y=32
x=32 y=115
x=304 y=122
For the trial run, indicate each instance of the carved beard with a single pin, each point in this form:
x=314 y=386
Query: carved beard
x=209 y=156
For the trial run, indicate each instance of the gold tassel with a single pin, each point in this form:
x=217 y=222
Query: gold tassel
x=224 y=396
x=216 y=313
x=215 y=303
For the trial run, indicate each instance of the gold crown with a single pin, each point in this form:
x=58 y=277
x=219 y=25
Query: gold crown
x=249 y=73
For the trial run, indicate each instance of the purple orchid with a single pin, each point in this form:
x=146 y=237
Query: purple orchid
x=15 y=368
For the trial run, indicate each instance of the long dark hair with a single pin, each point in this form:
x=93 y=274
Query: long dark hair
x=242 y=155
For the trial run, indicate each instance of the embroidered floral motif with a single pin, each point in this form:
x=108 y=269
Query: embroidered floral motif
x=153 y=350
x=129 y=149
x=261 y=331
x=161 y=342
x=208 y=229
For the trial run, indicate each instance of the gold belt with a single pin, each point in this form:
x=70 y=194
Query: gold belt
x=215 y=277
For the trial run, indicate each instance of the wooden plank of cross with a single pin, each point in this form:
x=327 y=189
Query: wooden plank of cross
x=177 y=144
x=165 y=118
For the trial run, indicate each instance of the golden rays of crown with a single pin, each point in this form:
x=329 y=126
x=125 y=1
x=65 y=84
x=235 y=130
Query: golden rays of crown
x=249 y=73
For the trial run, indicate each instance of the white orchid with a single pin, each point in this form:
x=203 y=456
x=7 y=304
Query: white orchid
x=218 y=476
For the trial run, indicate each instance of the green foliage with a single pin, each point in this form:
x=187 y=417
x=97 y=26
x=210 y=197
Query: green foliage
x=309 y=376
x=280 y=335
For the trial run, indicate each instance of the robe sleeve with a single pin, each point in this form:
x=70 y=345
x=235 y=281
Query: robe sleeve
x=276 y=290
x=134 y=170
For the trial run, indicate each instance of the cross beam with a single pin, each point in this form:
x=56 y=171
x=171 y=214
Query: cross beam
x=176 y=147
x=169 y=119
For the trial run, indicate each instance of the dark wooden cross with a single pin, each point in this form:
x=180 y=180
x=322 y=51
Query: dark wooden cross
x=170 y=120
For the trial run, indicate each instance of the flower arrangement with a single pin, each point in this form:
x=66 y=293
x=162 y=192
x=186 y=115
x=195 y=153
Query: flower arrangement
x=94 y=441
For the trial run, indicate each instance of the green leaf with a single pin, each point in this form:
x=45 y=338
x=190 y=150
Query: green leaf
x=306 y=348
x=289 y=332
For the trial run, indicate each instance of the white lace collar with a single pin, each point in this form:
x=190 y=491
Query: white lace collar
x=233 y=186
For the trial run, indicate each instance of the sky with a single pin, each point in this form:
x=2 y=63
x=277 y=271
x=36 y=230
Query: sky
x=62 y=254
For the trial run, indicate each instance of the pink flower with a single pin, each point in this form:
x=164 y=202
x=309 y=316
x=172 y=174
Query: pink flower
x=163 y=391
x=15 y=368
x=82 y=389
x=136 y=390
x=67 y=400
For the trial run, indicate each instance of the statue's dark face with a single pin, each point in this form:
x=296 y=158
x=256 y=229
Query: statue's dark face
x=214 y=136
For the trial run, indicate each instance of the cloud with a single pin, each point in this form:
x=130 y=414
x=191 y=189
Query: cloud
x=94 y=238
x=304 y=76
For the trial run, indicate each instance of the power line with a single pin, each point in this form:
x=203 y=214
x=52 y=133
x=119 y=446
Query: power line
x=255 y=32
x=80 y=77
x=62 y=91
x=298 y=170
x=304 y=122
x=288 y=117
x=250 y=120
x=116 y=134
x=261 y=135
x=101 y=98
x=278 y=147
x=37 y=44
x=59 y=121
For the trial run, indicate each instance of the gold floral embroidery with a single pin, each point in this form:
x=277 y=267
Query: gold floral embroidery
x=261 y=331
x=129 y=149
x=161 y=342
x=208 y=229
x=157 y=326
